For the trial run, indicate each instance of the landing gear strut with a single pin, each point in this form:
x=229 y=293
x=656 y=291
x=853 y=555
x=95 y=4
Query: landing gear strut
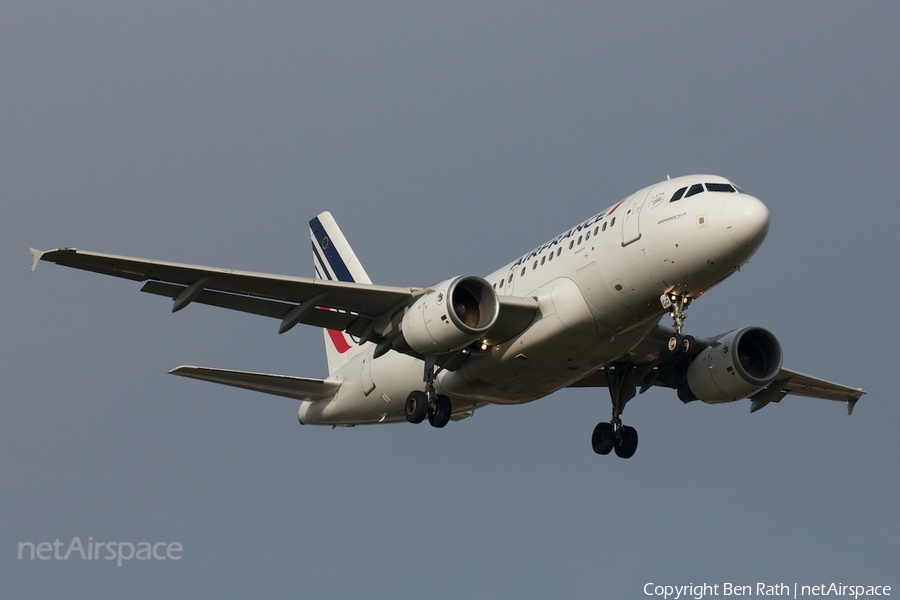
x=677 y=304
x=614 y=435
x=429 y=403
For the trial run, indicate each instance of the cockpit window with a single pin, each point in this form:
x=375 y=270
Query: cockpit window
x=695 y=189
x=678 y=195
x=719 y=187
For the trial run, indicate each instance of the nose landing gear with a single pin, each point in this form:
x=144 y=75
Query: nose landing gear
x=676 y=305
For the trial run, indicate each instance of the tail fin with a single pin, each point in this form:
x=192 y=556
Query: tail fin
x=334 y=259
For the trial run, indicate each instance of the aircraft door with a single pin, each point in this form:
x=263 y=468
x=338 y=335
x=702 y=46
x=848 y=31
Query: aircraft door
x=631 y=216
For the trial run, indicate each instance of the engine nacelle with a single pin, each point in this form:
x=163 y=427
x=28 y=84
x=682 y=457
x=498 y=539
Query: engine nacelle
x=737 y=365
x=450 y=316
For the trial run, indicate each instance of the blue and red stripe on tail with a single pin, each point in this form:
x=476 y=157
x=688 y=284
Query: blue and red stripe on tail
x=334 y=260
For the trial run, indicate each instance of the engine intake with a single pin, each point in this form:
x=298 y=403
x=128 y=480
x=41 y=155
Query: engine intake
x=449 y=316
x=737 y=365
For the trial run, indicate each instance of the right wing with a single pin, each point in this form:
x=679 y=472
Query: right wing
x=291 y=299
x=364 y=311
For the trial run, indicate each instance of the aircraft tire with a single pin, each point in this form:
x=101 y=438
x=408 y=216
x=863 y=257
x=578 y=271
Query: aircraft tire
x=627 y=443
x=416 y=407
x=440 y=416
x=603 y=439
x=687 y=344
x=674 y=344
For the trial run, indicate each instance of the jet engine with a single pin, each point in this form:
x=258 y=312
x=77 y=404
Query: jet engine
x=450 y=316
x=735 y=366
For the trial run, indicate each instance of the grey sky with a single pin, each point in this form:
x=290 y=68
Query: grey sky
x=445 y=140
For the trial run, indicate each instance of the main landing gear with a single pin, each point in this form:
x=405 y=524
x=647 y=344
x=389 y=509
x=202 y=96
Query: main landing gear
x=429 y=403
x=614 y=435
x=621 y=380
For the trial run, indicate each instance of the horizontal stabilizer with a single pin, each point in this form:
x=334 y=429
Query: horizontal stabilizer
x=299 y=388
x=35 y=257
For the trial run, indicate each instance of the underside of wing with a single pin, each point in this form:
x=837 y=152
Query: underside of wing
x=347 y=306
x=785 y=383
x=798 y=384
x=365 y=311
x=299 y=388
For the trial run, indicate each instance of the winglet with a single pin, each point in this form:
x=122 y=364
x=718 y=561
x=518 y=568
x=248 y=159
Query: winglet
x=35 y=257
x=850 y=404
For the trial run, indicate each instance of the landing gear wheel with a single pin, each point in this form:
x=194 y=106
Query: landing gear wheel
x=416 y=407
x=626 y=442
x=687 y=344
x=439 y=414
x=674 y=344
x=604 y=438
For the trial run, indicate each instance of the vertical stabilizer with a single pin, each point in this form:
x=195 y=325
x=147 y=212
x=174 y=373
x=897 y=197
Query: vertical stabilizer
x=335 y=260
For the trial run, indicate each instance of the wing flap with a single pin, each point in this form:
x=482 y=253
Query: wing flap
x=298 y=388
x=319 y=317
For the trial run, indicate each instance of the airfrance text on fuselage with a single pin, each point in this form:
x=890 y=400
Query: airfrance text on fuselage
x=564 y=236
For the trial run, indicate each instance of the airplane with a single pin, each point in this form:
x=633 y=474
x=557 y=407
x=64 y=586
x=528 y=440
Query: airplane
x=583 y=309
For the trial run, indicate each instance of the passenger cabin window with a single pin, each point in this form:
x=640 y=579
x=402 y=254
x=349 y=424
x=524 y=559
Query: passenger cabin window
x=604 y=225
x=695 y=189
x=678 y=195
x=719 y=187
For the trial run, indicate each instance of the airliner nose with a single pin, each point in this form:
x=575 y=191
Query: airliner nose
x=746 y=219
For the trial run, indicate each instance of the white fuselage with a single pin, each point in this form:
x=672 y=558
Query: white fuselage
x=598 y=288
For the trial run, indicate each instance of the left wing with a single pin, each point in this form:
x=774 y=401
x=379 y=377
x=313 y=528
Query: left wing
x=786 y=382
x=798 y=384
